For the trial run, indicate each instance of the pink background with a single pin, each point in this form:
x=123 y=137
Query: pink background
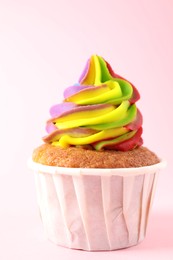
x=43 y=48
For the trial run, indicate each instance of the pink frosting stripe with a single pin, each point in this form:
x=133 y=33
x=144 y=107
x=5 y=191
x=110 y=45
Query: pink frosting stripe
x=129 y=144
x=136 y=123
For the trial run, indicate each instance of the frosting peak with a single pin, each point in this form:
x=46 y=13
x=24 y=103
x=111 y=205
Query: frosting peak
x=98 y=111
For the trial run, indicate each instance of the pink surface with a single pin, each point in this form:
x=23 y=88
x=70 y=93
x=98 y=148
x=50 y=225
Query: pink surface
x=43 y=48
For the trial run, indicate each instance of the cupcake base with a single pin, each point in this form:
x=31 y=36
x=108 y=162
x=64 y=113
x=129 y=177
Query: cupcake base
x=95 y=209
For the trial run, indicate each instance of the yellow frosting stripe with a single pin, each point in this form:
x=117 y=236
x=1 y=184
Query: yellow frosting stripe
x=97 y=70
x=88 y=94
x=112 y=92
x=90 y=78
x=127 y=92
x=80 y=115
x=128 y=117
x=113 y=115
x=67 y=140
x=99 y=96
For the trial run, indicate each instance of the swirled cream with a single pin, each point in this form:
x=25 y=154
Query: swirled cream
x=99 y=112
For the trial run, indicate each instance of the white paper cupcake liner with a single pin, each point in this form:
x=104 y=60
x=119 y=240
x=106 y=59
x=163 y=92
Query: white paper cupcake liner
x=95 y=209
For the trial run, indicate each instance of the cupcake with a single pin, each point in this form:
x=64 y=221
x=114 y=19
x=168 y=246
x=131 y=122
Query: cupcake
x=95 y=180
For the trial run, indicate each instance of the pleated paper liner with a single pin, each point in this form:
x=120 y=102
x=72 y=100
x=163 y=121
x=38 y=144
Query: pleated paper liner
x=95 y=209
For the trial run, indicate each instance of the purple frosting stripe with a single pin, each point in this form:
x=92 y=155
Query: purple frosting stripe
x=50 y=127
x=80 y=132
x=57 y=110
x=85 y=71
x=81 y=109
x=84 y=89
x=86 y=108
x=70 y=91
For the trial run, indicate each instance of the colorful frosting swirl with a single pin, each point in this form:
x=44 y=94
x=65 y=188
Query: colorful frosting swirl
x=99 y=112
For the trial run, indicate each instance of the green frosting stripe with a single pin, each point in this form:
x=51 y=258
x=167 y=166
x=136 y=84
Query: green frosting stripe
x=100 y=145
x=127 y=92
x=128 y=118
